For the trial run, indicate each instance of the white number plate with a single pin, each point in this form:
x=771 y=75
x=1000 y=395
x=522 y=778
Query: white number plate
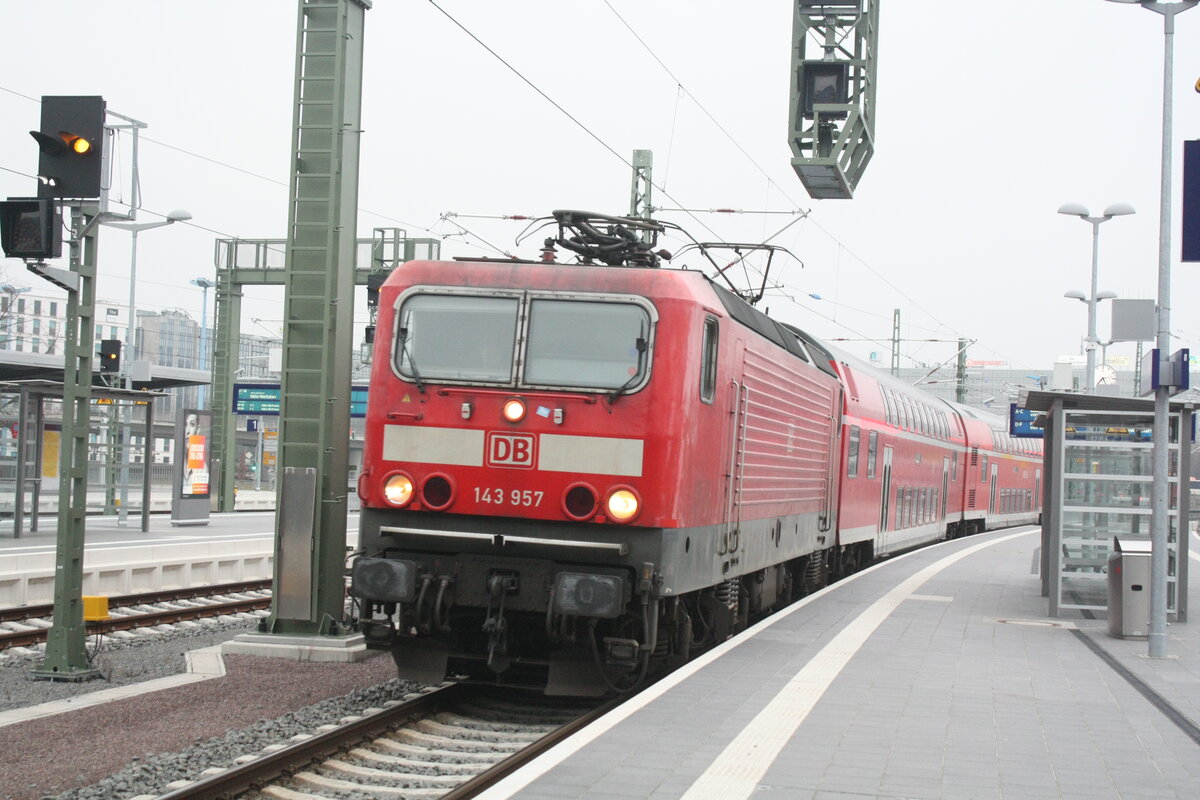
x=524 y=498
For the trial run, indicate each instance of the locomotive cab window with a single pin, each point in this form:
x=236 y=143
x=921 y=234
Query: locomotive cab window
x=514 y=338
x=587 y=344
x=708 y=360
x=456 y=337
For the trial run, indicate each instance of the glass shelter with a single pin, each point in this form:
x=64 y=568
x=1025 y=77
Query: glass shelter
x=1099 y=476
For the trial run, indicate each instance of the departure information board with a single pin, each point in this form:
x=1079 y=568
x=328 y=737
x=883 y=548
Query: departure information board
x=262 y=399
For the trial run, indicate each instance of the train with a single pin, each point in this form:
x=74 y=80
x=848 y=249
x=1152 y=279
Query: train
x=579 y=472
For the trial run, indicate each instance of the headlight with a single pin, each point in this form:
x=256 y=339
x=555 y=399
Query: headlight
x=623 y=505
x=514 y=409
x=398 y=489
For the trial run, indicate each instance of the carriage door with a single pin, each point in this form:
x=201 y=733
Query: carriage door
x=945 y=483
x=992 y=505
x=884 y=504
x=1037 y=488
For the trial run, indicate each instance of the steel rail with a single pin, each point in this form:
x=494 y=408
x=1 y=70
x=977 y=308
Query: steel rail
x=141 y=620
x=271 y=766
x=501 y=770
x=18 y=613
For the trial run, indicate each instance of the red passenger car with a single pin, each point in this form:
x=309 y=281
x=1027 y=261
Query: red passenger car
x=918 y=469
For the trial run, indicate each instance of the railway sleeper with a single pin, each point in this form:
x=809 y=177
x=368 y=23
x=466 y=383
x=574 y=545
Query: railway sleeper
x=418 y=750
x=417 y=765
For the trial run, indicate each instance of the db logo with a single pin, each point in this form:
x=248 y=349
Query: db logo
x=510 y=450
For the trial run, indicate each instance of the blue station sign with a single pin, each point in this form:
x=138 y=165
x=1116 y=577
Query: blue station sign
x=1020 y=423
x=263 y=400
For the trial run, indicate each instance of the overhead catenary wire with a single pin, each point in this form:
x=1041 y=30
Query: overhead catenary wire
x=564 y=111
x=465 y=230
x=143 y=137
x=680 y=88
x=699 y=105
x=760 y=168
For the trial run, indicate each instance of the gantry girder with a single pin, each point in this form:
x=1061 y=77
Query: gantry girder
x=259 y=262
x=831 y=119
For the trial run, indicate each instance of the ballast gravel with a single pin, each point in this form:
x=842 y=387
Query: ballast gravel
x=122 y=659
x=140 y=744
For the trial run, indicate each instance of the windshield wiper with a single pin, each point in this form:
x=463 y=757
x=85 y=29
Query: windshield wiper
x=640 y=344
x=412 y=365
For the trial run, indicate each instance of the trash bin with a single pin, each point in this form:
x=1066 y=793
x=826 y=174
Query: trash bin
x=1129 y=588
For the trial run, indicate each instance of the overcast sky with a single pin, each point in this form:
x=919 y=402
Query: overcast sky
x=990 y=116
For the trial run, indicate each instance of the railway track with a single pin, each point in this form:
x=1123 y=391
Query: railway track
x=450 y=744
x=23 y=626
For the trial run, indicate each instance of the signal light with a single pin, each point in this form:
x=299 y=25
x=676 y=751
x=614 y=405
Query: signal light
x=110 y=356
x=30 y=228
x=71 y=140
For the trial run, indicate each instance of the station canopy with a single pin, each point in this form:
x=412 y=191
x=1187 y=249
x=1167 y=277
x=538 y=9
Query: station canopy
x=20 y=366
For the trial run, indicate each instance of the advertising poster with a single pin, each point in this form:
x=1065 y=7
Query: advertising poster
x=197 y=433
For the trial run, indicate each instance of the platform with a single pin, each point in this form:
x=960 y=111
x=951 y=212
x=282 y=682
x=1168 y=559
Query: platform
x=937 y=674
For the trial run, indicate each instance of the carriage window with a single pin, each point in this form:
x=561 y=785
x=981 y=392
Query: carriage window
x=457 y=337
x=708 y=360
x=587 y=344
x=852 y=453
x=872 y=445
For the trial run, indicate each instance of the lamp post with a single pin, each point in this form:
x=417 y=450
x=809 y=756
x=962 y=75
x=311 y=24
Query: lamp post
x=178 y=215
x=1093 y=299
x=1092 y=340
x=205 y=284
x=1157 y=629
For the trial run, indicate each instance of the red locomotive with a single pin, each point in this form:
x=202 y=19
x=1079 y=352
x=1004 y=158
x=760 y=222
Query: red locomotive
x=575 y=474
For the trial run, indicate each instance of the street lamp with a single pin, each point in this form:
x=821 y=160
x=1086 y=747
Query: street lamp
x=178 y=215
x=1157 y=629
x=205 y=284
x=1077 y=210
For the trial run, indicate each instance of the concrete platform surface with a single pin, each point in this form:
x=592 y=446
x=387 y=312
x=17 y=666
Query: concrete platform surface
x=937 y=674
